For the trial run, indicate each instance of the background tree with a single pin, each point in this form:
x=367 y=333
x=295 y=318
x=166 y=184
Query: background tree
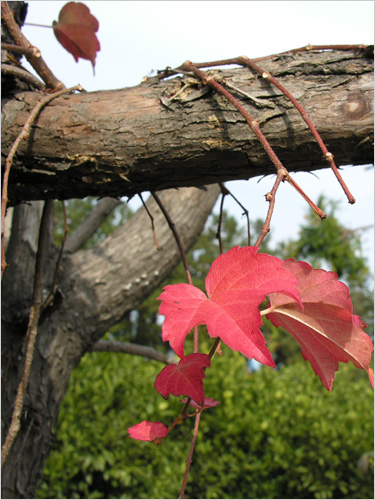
x=74 y=150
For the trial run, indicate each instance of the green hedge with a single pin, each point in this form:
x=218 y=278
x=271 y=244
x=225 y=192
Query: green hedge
x=276 y=434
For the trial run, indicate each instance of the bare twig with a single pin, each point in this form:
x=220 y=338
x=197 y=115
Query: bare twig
x=158 y=247
x=129 y=348
x=270 y=197
x=245 y=212
x=31 y=330
x=35 y=59
x=224 y=192
x=30 y=51
x=22 y=74
x=9 y=160
x=175 y=234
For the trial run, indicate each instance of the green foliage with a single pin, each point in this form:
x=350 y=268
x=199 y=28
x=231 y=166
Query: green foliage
x=276 y=434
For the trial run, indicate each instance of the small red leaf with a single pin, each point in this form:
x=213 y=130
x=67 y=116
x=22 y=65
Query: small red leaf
x=76 y=30
x=186 y=378
x=148 y=431
x=208 y=403
x=325 y=327
x=236 y=284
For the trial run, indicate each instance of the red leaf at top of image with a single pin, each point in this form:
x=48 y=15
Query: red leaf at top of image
x=148 y=431
x=185 y=379
x=236 y=285
x=76 y=30
x=325 y=327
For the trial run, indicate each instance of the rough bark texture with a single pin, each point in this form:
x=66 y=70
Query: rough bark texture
x=122 y=142
x=97 y=287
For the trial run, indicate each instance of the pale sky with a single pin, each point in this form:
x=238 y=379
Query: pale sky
x=138 y=37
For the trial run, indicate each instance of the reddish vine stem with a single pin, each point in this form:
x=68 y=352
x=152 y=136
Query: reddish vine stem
x=190 y=456
x=24 y=134
x=254 y=125
x=307 y=48
x=305 y=116
x=31 y=333
x=270 y=197
x=182 y=252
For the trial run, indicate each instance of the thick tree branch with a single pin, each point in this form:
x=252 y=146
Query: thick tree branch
x=127 y=141
x=92 y=222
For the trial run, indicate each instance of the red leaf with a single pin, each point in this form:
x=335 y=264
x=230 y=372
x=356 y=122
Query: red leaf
x=208 y=403
x=237 y=284
x=76 y=31
x=186 y=378
x=325 y=327
x=148 y=431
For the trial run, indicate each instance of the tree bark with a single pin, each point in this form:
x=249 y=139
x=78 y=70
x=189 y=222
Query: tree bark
x=122 y=142
x=98 y=286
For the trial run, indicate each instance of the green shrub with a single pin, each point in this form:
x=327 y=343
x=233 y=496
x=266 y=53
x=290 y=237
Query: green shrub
x=276 y=434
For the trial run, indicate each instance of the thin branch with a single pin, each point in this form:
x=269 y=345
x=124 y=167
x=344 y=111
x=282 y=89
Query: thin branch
x=224 y=192
x=190 y=456
x=158 y=247
x=129 y=348
x=175 y=234
x=9 y=160
x=36 y=61
x=22 y=74
x=31 y=330
x=245 y=213
x=30 y=51
x=270 y=197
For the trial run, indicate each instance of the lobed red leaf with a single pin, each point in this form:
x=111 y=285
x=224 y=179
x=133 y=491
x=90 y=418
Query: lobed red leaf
x=76 y=30
x=236 y=284
x=325 y=326
x=186 y=378
x=148 y=431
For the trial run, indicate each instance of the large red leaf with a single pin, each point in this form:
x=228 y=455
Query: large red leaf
x=76 y=30
x=185 y=379
x=148 y=431
x=325 y=327
x=237 y=284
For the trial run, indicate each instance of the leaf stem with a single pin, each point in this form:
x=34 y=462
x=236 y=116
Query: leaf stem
x=38 y=25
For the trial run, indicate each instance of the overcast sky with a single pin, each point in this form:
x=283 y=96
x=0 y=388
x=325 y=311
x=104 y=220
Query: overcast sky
x=138 y=37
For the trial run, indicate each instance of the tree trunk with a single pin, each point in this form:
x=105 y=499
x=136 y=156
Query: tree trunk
x=122 y=142
x=97 y=287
